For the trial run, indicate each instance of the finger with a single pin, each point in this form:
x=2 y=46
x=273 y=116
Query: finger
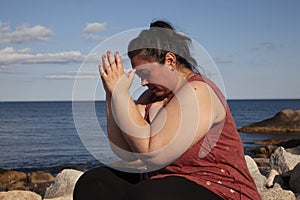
x=119 y=62
x=106 y=65
x=131 y=74
x=101 y=70
x=111 y=60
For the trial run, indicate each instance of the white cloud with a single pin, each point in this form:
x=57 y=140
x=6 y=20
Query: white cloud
x=91 y=29
x=95 y=27
x=91 y=36
x=9 y=55
x=65 y=76
x=75 y=75
x=24 y=34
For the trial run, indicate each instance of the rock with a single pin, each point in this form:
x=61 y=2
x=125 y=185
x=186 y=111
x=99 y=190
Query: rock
x=283 y=161
x=286 y=121
x=40 y=177
x=274 y=193
x=19 y=195
x=39 y=188
x=295 y=150
x=271 y=177
x=290 y=143
x=294 y=181
x=273 y=141
x=277 y=193
x=17 y=186
x=259 y=179
x=64 y=184
x=39 y=181
x=66 y=197
x=263 y=151
x=262 y=163
x=11 y=178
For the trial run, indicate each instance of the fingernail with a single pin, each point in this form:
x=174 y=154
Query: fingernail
x=104 y=56
x=108 y=52
x=117 y=53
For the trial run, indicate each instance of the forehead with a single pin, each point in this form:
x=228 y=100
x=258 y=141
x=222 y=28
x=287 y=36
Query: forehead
x=138 y=62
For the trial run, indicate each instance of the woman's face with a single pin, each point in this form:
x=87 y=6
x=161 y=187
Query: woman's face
x=157 y=77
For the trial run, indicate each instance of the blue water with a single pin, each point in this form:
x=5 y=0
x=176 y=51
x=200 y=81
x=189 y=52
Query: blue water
x=42 y=134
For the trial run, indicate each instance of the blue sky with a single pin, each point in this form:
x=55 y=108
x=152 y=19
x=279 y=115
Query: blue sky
x=255 y=44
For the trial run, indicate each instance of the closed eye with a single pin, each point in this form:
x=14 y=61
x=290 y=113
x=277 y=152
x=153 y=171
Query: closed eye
x=143 y=74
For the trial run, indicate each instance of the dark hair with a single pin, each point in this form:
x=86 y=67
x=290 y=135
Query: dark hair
x=154 y=43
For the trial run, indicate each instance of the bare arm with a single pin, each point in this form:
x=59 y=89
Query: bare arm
x=118 y=143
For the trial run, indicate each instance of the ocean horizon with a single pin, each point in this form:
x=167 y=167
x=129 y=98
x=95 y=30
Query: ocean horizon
x=42 y=134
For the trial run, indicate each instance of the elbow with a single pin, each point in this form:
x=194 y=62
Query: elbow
x=123 y=154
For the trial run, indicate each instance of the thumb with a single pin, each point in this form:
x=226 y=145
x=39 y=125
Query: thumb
x=131 y=74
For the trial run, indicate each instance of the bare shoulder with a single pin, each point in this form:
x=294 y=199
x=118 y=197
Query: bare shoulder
x=206 y=94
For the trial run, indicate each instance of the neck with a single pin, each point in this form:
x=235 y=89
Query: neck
x=184 y=76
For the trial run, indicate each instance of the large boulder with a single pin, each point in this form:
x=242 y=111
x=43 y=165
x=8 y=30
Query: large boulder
x=283 y=161
x=258 y=178
x=294 y=181
x=277 y=193
x=19 y=195
x=286 y=121
x=63 y=185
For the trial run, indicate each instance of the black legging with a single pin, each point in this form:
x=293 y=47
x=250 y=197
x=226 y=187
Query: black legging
x=104 y=183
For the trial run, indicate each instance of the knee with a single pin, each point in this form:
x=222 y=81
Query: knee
x=80 y=187
x=87 y=184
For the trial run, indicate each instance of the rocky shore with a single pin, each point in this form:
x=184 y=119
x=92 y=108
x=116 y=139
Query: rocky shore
x=38 y=185
x=277 y=177
x=275 y=165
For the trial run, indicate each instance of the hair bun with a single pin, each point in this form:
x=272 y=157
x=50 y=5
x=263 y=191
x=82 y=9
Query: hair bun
x=161 y=24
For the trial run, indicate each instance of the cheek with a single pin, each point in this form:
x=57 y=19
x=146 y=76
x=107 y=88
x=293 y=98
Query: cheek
x=163 y=82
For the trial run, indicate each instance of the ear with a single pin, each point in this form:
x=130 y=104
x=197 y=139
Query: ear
x=170 y=59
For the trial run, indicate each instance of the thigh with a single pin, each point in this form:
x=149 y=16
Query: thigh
x=103 y=183
x=169 y=188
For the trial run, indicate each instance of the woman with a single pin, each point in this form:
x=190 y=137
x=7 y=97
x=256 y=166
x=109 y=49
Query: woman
x=181 y=124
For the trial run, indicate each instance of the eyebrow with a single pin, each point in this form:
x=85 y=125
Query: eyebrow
x=141 y=69
x=141 y=72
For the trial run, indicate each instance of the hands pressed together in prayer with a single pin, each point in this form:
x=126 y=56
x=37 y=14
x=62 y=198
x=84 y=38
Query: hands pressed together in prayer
x=112 y=73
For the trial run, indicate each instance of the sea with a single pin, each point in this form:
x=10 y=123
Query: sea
x=43 y=135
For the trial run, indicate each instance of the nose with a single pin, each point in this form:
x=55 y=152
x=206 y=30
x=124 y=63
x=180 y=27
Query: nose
x=144 y=82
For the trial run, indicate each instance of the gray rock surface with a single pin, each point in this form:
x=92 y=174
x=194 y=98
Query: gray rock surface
x=277 y=193
x=283 y=161
x=259 y=179
x=63 y=185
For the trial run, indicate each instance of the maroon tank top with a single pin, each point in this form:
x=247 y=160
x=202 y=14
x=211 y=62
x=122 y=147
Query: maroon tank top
x=216 y=161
